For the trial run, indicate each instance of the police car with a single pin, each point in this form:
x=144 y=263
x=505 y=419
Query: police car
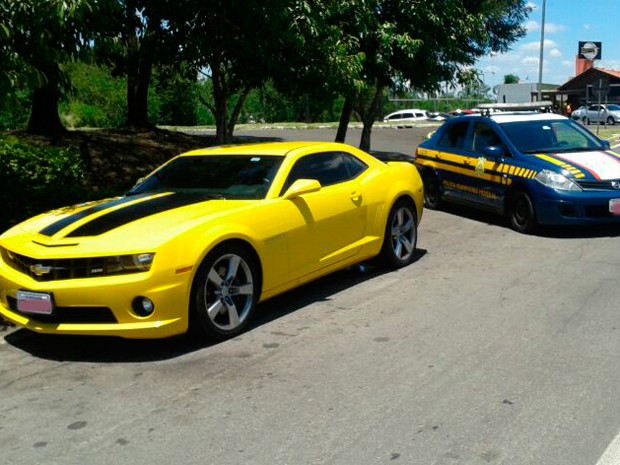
x=536 y=168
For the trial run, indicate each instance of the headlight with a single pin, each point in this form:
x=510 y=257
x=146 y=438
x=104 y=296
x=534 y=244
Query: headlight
x=128 y=263
x=119 y=264
x=556 y=181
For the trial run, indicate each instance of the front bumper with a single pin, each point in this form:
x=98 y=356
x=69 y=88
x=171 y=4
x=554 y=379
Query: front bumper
x=581 y=208
x=102 y=306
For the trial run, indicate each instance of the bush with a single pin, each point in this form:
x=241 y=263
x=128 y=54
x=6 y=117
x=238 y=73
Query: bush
x=36 y=179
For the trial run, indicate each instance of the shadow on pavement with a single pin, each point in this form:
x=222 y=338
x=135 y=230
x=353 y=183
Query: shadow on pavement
x=552 y=232
x=102 y=349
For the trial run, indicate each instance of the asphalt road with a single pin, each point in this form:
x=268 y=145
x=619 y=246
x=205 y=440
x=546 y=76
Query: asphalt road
x=492 y=348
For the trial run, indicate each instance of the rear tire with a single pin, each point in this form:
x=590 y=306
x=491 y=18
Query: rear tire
x=224 y=293
x=432 y=192
x=521 y=213
x=401 y=236
x=610 y=121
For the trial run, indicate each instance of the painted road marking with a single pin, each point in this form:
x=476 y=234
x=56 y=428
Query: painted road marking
x=611 y=456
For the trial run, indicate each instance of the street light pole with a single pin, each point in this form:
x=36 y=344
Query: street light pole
x=542 y=47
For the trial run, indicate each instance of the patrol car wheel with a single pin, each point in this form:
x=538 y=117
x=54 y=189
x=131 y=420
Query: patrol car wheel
x=521 y=213
x=224 y=293
x=401 y=235
x=432 y=194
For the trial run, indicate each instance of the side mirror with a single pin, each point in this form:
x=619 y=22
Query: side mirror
x=301 y=187
x=606 y=145
x=493 y=151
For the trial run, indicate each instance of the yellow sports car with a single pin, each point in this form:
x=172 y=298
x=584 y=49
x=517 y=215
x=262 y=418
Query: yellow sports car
x=205 y=237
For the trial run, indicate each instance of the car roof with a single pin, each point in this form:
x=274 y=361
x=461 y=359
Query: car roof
x=278 y=149
x=407 y=110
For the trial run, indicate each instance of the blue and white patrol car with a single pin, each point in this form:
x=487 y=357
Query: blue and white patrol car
x=536 y=168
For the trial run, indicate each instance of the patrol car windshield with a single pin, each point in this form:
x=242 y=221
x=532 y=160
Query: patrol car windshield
x=548 y=136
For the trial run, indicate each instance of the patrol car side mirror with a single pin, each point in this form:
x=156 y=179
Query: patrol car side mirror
x=493 y=151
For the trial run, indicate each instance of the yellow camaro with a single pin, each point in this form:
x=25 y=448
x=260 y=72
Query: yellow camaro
x=205 y=237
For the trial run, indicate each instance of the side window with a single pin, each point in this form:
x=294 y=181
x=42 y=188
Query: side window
x=484 y=136
x=354 y=165
x=327 y=168
x=454 y=135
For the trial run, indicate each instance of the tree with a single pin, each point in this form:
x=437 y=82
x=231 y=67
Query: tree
x=134 y=37
x=238 y=45
x=38 y=36
x=418 y=44
x=511 y=79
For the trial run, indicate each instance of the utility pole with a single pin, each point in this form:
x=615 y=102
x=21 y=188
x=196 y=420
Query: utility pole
x=542 y=48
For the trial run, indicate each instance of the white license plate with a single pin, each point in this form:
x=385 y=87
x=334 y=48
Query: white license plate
x=614 y=206
x=39 y=303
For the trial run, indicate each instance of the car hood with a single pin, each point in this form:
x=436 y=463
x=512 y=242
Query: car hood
x=131 y=223
x=596 y=164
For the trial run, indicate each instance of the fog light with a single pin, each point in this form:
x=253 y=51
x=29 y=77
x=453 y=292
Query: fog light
x=142 y=306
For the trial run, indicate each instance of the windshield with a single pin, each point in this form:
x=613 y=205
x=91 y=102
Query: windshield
x=226 y=177
x=545 y=136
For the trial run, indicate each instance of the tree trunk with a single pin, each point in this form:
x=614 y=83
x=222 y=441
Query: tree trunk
x=345 y=117
x=44 y=119
x=220 y=100
x=234 y=117
x=139 y=71
x=368 y=119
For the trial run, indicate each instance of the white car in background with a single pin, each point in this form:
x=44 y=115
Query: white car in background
x=608 y=114
x=402 y=118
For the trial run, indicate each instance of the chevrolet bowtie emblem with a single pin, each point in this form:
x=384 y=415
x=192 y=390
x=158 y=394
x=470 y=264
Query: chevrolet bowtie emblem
x=40 y=270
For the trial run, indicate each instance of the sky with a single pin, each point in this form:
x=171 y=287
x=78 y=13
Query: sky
x=567 y=22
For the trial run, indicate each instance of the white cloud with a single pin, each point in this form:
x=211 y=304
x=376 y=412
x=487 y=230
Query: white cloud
x=567 y=63
x=532 y=26
x=533 y=46
x=555 y=53
x=552 y=28
x=530 y=60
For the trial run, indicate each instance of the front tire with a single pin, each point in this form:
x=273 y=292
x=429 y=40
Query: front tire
x=224 y=293
x=521 y=213
x=401 y=236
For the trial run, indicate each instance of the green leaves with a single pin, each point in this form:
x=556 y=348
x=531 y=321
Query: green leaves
x=35 y=179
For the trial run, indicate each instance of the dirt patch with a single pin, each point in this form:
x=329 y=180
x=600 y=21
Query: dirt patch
x=115 y=159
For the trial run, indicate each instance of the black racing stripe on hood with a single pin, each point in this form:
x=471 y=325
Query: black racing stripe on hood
x=135 y=212
x=58 y=226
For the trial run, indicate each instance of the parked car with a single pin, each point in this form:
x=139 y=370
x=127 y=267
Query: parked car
x=435 y=116
x=580 y=113
x=205 y=237
x=536 y=168
x=608 y=114
x=402 y=118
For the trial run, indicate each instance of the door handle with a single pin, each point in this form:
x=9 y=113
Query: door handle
x=356 y=196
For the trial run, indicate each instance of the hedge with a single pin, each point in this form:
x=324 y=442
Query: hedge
x=36 y=179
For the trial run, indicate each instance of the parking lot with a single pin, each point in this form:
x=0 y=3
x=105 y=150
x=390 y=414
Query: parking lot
x=493 y=347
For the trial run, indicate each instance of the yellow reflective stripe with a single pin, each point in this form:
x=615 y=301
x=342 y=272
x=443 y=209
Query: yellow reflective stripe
x=550 y=160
